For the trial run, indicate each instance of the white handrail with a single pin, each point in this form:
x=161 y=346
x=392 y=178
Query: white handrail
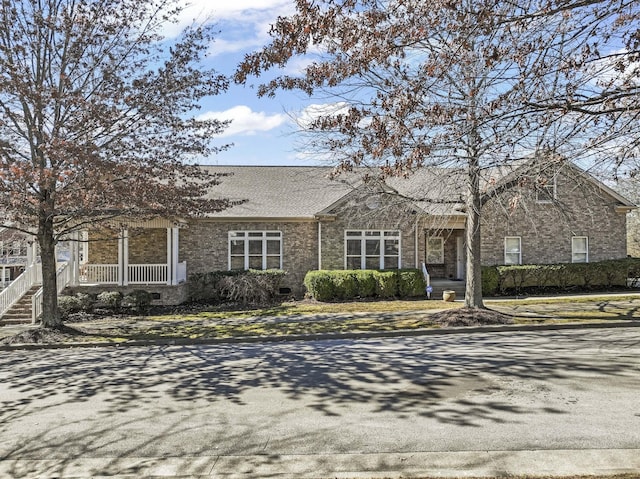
x=427 y=279
x=63 y=278
x=16 y=290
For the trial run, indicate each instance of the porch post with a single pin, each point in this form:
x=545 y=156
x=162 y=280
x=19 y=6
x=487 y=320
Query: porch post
x=170 y=266
x=123 y=257
x=175 y=248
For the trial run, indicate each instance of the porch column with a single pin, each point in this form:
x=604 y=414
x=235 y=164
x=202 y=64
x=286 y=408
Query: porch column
x=175 y=243
x=123 y=257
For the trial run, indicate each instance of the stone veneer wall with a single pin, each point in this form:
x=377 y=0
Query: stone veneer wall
x=204 y=245
x=581 y=209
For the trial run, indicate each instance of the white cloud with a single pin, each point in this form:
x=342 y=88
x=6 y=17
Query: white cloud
x=244 y=121
x=316 y=110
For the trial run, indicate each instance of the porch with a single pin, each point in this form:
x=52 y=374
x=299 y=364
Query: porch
x=144 y=254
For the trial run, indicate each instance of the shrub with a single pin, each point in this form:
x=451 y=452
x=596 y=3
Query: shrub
x=206 y=287
x=386 y=283
x=138 y=300
x=320 y=285
x=410 y=283
x=68 y=305
x=252 y=287
x=111 y=299
x=365 y=283
x=345 y=284
x=87 y=302
x=490 y=280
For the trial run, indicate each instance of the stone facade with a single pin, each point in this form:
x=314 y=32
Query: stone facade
x=546 y=229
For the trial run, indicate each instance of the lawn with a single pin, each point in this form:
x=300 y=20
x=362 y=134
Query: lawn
x=305 y=317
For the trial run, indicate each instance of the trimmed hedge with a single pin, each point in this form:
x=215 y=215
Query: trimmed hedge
x=246 y=287
x=332 y=285
x=563 y=276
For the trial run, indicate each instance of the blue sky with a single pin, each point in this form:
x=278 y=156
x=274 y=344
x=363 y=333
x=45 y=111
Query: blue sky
x=262 y=130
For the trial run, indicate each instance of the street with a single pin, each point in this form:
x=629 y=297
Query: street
x=108 y=408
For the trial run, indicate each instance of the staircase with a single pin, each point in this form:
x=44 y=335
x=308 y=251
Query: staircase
x=20 y=312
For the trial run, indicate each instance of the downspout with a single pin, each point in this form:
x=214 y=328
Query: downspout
x=319 y=245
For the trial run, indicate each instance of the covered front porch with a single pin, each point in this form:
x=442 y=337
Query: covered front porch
x=133 y=254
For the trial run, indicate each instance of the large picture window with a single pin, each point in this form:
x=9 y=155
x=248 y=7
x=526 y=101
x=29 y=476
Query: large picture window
x=579 y=249
x=372 y=250
x=512 y=250
x=255 y=250
x=435 y=250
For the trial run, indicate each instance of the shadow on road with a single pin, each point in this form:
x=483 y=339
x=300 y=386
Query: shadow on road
x=450 y=380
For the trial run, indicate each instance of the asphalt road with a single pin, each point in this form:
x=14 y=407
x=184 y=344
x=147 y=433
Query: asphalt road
x=355 y=408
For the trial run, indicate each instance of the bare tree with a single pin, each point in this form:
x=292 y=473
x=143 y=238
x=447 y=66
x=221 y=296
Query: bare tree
x=458 y=85
x=96 y=118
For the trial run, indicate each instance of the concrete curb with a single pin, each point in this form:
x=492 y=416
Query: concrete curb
x=375 y=465
x=328 y=336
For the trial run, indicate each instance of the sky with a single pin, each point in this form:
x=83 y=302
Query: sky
x=262 y=130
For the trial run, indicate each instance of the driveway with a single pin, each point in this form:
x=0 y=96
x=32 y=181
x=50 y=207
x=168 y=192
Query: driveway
x=528 y=402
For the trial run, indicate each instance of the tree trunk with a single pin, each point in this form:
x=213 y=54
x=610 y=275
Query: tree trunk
x=473 y=287
x=46 y=239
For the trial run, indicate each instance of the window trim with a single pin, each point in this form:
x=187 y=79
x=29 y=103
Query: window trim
x=363 y=237
x=266 y=235
x=574 y=252
x=519 y=238
x=441 y=250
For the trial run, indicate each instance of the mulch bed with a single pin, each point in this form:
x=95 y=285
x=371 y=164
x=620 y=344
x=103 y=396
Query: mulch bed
x=42 y=336
x=470 y=317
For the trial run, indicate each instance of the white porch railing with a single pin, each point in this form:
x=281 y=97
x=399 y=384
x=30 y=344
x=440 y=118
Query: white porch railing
x=99 y=273
x=136 y=273
x=148 y=273
x=16 y=290
x=63 y=278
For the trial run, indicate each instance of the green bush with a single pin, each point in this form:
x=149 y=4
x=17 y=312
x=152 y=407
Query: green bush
x=386 y=284
x=349 y=284
x=87 y=302
x=563 y=276
x=320 y=285
x=365 y=282
x=138 y=300
x=345 y=285
x=411 y=283
x=490 y=280
x=111 y=299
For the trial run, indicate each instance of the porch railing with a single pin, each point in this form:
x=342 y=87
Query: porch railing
x=99 y=273
x=18 y=287
x=63 y=279
x=136 y=273
x=147 y=273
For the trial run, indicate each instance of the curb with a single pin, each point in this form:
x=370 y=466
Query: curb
x=325 y=336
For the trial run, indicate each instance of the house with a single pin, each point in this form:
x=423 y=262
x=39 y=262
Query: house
x=298 y=219
x=14 y=255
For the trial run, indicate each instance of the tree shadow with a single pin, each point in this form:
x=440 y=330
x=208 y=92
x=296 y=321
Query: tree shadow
x=126 y=401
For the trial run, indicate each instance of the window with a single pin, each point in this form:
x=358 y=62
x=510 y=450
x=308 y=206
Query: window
x=512 y=250
x=579 y=249
x=435 y=250
x=372 y=249
x=546 y=190
x=255 y=250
